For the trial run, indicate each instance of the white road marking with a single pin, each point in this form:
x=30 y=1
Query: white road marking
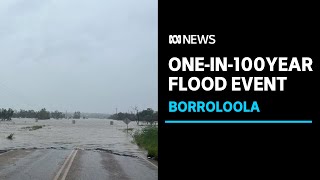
x=149 y=161
x=62 y=167
x=69 y=165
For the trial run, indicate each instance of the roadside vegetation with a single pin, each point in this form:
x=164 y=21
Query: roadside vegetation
x=147 y=138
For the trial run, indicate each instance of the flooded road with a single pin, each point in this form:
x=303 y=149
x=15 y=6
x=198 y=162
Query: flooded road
x=62 y=134
x=88 y=149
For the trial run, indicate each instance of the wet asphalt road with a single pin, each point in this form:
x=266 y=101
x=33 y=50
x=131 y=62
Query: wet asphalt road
x=52 y=164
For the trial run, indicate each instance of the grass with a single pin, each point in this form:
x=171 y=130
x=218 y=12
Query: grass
x=147 y=138
x=10 y=136
x=32 y=128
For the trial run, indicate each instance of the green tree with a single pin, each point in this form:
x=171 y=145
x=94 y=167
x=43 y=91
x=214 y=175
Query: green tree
x=57 y=115
x=76 y=115
x=148 y=115
x=43 y=114
x=6 y=115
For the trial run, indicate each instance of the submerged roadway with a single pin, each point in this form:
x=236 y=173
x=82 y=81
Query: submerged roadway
x=76 y=164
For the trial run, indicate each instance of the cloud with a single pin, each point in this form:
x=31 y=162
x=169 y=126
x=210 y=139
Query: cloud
x=72 y=55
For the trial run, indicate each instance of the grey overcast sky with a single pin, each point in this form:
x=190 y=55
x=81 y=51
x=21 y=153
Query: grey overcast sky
x=86 y=55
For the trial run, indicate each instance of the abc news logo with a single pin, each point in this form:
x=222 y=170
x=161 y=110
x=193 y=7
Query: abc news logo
x=192 y=39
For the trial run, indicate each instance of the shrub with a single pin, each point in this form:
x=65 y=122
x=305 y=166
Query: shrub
x=147 y=138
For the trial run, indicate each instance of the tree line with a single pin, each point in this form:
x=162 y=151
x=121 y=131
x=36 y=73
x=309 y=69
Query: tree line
x=148 y=115
x=43 y=114
x=6 y=115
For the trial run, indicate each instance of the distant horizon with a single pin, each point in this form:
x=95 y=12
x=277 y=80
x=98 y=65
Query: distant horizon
x=85 y=112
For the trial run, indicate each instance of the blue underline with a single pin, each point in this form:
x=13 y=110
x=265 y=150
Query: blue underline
x=238 y=121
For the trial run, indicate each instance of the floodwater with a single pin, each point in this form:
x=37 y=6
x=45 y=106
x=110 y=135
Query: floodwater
x=88 y=134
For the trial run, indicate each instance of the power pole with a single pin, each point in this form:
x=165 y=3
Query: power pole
x=137 y=113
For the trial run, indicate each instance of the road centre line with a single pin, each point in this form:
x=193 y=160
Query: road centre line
x=64 y=164
x=69 y=165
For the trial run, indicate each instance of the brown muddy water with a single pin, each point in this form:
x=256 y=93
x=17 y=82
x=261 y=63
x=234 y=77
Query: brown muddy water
x=87 y=134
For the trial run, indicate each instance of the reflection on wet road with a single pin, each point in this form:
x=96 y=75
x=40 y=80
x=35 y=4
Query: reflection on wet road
x=73 y=164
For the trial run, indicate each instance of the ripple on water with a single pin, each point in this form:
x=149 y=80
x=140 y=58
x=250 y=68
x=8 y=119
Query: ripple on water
x=85 y=133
